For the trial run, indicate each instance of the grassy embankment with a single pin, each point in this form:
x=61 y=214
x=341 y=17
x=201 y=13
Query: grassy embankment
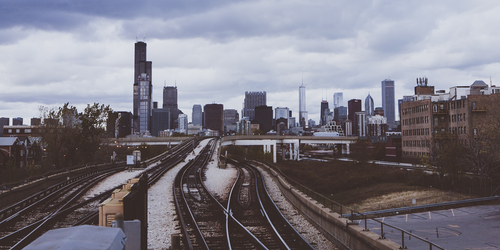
x=364 y=187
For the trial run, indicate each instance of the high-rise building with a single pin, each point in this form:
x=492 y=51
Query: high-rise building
x=302 y=106
x=231 y=117
x=353 y=106
x=323 y=115
x=252 y=100
x=340 y=113
x=338 y=100
x=160 y=121
x=379 y=111
x=361 y=128
x=170 y=103
x=282 y=115
x=141 y=66
x=311 y=123
x=36 y=121
x=369 y=106
x=183 y=123
x=145 y=103
x=264 y=117
x=119 y=124
x=17 y=121
x=214 y=117
x=4 y=121
x=388 y=103
x=197 y=115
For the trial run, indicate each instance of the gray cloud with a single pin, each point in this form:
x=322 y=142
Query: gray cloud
x=82 y=52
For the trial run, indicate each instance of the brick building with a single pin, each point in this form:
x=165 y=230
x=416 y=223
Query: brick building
x=463 y=112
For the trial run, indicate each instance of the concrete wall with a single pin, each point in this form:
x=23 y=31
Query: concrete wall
x=334 y=227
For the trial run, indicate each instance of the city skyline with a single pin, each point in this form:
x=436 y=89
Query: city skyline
x=84 y=54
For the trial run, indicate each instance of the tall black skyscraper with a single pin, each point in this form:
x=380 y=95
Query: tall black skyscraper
x=170 y=102
x=353 y=106
x=264 y=117
x=141 y=66
x=324 y=107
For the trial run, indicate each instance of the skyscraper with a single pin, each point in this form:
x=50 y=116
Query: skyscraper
x=340 y=113
x=183 y=123
x=4 y=121
x=324 y=107
x=17 y=121
x=160 y=121
x=252 y=100
x=302 y=106
x=388 y=101
x=145 y=99
x=141 y=66
x=264 y=117
x=282 y=115
x=231 y=117
x=353 y=106
x=338 y=99
x=197 y=115
x=214 y=117
x=170 y=103
x=369 y=106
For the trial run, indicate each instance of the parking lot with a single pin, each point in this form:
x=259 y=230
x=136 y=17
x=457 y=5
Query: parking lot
x=476 y=227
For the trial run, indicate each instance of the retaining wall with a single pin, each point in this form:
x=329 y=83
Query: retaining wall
x=331 y=224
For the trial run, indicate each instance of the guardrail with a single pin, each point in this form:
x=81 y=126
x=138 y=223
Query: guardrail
x=339 y=208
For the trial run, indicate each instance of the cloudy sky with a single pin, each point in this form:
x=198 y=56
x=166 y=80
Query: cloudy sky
x=83 y=51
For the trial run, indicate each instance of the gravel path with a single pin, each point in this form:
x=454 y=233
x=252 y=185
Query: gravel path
x=306 y=229
x=161 y=208
x=220 y=181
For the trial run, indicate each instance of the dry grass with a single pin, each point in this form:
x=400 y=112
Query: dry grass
x=406 y=198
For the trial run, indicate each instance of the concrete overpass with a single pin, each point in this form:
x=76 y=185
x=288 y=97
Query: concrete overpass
x=269 y=142
x=137 y=141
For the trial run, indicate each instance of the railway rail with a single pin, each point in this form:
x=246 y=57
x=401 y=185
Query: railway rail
x=58 y=206
x=250 y=219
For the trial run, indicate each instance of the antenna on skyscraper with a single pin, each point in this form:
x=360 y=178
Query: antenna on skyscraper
x=491 y=84
x=165 y=83
x=144 y=36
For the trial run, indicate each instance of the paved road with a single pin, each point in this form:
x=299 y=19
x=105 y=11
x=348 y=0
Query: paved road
x=475 y=227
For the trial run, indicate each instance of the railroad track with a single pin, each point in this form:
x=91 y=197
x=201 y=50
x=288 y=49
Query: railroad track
x=62 y=206
x=253 y=207
x=250 y=219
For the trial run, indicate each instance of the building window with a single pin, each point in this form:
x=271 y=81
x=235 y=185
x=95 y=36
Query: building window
x=475 y=131
x=18 y=131
x=10 y=131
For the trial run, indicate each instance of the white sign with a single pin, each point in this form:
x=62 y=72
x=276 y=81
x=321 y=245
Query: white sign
x=130 y=160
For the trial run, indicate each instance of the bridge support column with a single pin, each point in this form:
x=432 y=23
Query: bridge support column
x=296 y=147
x=347 y=151
x=274 y=151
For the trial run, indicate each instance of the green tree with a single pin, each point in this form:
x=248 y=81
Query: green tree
x=70 y=137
